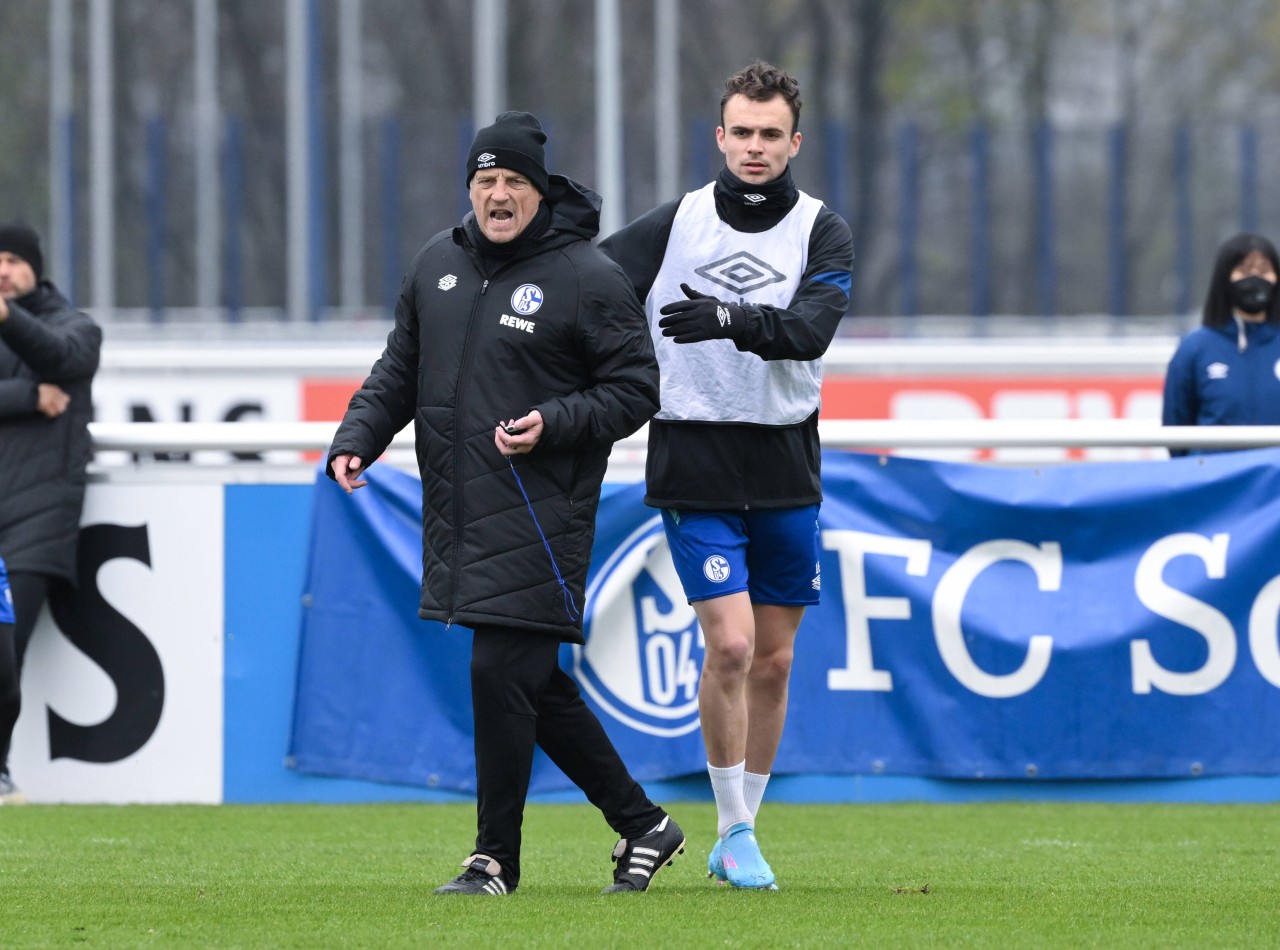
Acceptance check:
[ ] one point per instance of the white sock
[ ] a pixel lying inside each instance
(753, 784)
(731, 806)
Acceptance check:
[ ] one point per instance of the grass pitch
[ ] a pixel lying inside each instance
(901, 875)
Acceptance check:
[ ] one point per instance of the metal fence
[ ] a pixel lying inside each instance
(1113, 221)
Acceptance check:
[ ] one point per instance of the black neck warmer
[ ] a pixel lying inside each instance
(754, 208)
(501, 253)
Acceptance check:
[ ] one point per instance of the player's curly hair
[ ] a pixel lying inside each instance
(760, 82)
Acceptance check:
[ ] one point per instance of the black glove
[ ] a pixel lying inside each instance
(702, 317)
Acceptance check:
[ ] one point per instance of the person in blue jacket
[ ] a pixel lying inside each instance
(1227, 372)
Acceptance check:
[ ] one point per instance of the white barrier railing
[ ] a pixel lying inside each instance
(836, 434)
(869, 357)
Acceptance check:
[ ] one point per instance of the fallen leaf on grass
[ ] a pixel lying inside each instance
(904, 889)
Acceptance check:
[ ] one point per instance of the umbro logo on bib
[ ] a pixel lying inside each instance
(741, 273)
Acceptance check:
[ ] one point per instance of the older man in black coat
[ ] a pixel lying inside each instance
(48, 355)
(520, 353)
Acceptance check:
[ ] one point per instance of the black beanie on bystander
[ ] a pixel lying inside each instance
(22, 241)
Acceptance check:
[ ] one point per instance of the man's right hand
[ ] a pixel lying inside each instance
(346, 470)
(51, 400)
(702, 317)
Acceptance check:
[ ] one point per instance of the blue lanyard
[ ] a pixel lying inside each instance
(570, 607)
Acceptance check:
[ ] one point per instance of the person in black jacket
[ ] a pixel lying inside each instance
(48, 355)
(514, 316)
(745, 282)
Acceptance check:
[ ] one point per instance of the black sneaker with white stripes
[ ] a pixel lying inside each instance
(483, 875)
(639, 859)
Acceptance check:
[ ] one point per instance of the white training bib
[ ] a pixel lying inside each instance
(714, 381)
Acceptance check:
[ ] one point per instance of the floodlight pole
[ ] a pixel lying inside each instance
(61, 237)
(666, 97)
(102, 171)
(298, 167)
(488, 60)
(351, 165)
(208, 127)
(610, 182)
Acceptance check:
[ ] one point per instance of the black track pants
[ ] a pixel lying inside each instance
(521, 697)
(29, 594)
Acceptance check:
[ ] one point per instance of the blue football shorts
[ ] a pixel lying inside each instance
(772, 553)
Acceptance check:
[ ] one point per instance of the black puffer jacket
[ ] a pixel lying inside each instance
(44, 341)
(470, 346)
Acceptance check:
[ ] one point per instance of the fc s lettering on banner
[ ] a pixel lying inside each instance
(1046, 563)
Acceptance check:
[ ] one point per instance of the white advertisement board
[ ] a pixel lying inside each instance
(123, 683)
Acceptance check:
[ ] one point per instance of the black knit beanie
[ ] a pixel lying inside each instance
(20, 240)
(515, 141)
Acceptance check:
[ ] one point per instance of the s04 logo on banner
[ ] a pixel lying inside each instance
(644, 650)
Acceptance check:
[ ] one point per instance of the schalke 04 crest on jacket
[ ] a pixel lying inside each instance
(526, 299)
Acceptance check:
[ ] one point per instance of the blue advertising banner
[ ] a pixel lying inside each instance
(1087, 621)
